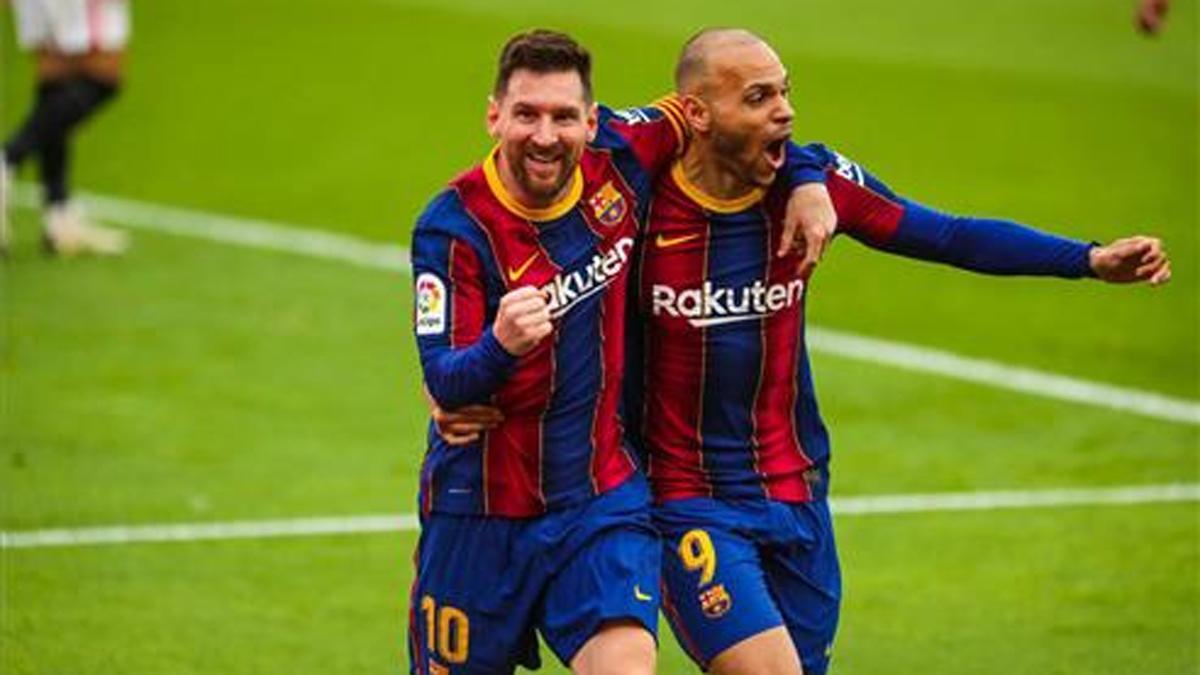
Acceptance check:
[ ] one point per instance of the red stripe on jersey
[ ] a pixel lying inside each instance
(862, 210)
(513, 450)
(675, 256)
(610, 465)
(658, 142)
(467, 310)
(780, 458)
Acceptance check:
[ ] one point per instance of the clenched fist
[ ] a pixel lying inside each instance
(522, 320)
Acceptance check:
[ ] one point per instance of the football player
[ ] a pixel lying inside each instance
(79, 47)
(520, 268)
(738, 454)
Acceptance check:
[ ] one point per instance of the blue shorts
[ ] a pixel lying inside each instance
(733, 569)
(484, 584)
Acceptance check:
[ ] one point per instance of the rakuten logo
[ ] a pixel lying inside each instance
(709, 306)
(567, 290)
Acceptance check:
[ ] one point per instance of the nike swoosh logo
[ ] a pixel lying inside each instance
(665, 242)
(637, 593)
(515, 273)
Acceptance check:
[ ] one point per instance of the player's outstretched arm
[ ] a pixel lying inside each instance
(869, 211)
(1131, 260)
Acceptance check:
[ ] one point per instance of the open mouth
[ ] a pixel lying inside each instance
(542, 163)
(774, 152)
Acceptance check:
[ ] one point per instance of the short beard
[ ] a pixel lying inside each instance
(534, 190)
(729, 149)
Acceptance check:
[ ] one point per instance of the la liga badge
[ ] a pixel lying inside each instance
(431, 305)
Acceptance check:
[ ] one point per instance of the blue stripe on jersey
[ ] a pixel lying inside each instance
(639, 180)
(464, 464)
(569, 242)
(737, 258)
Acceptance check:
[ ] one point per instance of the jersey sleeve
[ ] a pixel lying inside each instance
(871, 212)
(462, 360)
(656, 134)
(802, 164)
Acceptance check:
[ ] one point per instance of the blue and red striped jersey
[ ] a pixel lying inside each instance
(562, 439)
(727, 403)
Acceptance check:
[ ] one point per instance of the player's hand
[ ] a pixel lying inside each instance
(1151, 14)
(1131, 260)
(522, 320)
(464, 425)
(808, 225)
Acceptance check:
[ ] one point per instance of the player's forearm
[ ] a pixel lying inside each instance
(802, 165)
(458, 377)
(987, 245)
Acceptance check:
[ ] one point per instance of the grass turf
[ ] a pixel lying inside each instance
(196, 382)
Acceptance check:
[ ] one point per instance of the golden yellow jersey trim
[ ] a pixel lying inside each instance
(709, 202)
(558, 209)
(672, 109)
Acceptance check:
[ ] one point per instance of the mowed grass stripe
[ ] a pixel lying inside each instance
(367, 524)
(261, 234)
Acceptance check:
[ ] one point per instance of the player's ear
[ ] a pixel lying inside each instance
(493, 117)
(696, 112)
(593, 121)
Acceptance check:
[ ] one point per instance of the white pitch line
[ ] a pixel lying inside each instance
(250, 529)
(347, 525)
(1002, 375)
(1018, 499)
(263, 234)
(235, 230)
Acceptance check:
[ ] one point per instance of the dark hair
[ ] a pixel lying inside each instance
(543, 51)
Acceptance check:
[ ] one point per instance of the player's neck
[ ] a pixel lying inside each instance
(704, 170)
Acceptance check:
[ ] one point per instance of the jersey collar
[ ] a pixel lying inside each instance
(556, 210)
(715, 204)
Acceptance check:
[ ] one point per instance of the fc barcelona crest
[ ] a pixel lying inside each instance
(715, 601)
(608, 204)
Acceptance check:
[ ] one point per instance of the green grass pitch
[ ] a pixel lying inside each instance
(192, 381)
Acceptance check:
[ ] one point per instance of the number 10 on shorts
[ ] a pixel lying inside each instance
(447, 630)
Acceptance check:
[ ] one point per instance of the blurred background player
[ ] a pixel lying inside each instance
(1151, 14)
(738, 453)
(78, 49)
